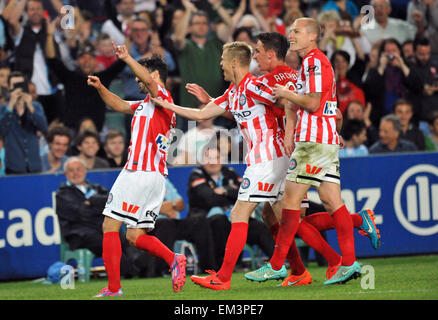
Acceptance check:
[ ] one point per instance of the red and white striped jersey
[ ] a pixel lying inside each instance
(317, 75)
(251, 103)
(150, 134)
(286, 76)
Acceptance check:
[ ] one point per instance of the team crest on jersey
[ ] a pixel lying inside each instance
(110, 198)
(162, 142)
(242, 100)
(292, 164)
(245, 183)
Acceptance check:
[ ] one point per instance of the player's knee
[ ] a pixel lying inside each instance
(110, 225)
(131, 237)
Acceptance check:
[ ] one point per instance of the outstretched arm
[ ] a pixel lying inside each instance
(110, 99)
(210, 111)
(141, 72)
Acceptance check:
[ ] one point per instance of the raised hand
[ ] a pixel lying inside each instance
(120, 51)
(198, 92)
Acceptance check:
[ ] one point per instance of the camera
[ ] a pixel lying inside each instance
(390, 57)
(23, 85)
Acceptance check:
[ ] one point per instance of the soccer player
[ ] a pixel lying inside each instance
(138, 192)
(314, 161)
(250, 101)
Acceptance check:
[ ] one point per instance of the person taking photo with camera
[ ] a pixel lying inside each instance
(20, 119)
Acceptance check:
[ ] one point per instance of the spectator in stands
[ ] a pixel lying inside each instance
(342, 6)
(425, 11)
(356, 110)
(269, 22)
(79, 205)
(120, 20)
(384, 27)
(5, 70)
(390, 81)
(88, 144)
(30, 40)
(198, 57)
(389, 135)
(212, 191)
(192, 143)
(408, 51)
(140, 38)
(20, 119)
(169, 228)
(81, 99)
(355, 135)
(338, 34)
(105, 55)
(432, 137)
(346, 90)
(427, 70)
(58, 139)
(114, 146)
(404, 111)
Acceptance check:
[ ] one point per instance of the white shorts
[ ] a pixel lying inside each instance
(312, 163)
(264, 182)
(136, 198)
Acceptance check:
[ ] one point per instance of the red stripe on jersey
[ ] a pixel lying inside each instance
(258, 131)
(138, 143)
(309, 126)
(330, 131)
(320, 129)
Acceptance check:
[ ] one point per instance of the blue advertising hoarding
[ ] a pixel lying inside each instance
(401, 189)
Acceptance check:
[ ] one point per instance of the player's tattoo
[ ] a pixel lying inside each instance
(314, 94)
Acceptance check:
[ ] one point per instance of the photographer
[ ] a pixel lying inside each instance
(20, 119)
(391, 80)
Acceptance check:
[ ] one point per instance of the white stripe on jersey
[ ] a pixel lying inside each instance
(318, 75)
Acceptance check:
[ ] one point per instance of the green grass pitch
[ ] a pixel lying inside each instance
(396, 278)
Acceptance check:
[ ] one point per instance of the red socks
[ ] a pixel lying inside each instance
(293, 256)
(290, 220)
(323, 220)
(344, 230)
(155, 247)
(111, 254)
(235, 243)
(310, 235)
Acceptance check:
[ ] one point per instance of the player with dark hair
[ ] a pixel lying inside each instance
(137, 194)
(315, 160)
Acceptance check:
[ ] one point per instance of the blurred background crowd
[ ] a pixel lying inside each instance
(384, 54)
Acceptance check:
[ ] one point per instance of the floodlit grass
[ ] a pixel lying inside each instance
(399, 278)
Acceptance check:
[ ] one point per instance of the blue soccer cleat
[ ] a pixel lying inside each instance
(369, 229)
(345, 274)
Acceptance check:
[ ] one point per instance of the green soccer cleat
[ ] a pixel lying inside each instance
(369, 229)
(345, 274)
(266, 273)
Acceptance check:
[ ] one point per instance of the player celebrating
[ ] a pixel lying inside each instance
(136, 196)
(314, 161)
(250, 101)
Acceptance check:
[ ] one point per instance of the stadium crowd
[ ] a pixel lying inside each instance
(384, 54)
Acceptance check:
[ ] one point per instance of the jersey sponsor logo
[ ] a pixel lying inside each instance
(162, 142)
(245, 183)
(312, 69)
(312, 169)
(130, 208)
(241, 115)
(261, 86)
(150, 213)
(266, 187)
(330, 108)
